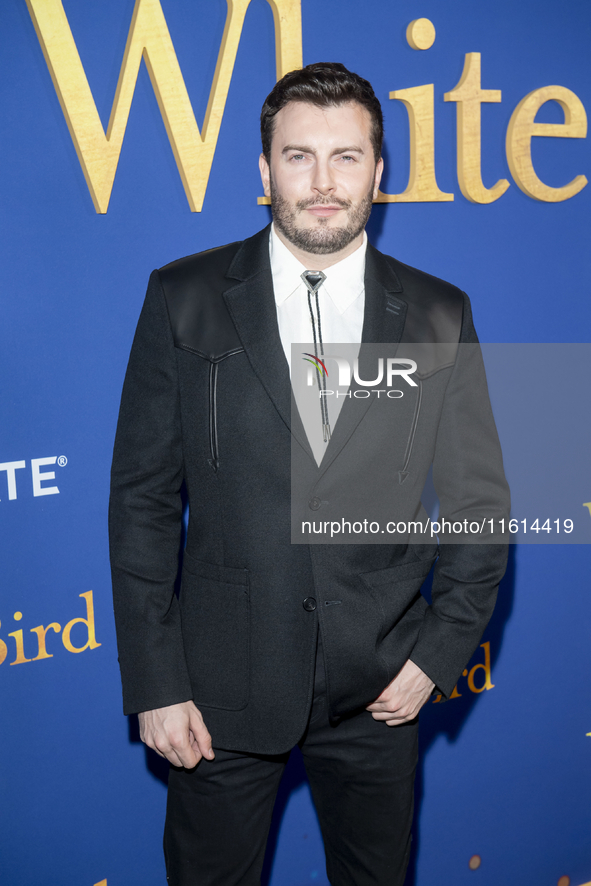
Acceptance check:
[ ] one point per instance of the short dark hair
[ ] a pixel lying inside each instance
(324, 84)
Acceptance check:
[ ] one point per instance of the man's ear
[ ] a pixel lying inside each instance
(378, 176)
(265, 175)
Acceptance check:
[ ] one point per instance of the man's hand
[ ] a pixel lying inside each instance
(177, 733)
(403, 698)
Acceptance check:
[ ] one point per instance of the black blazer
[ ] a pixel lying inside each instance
(207, 403)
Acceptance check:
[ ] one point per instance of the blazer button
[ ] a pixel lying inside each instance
(314, 504)
(309, 604)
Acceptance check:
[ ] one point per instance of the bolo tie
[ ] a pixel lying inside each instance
(313, 280)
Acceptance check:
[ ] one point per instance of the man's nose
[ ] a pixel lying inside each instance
(323, 178)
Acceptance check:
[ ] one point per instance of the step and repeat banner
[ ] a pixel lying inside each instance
(130, 138)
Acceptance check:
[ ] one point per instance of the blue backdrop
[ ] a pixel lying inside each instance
(503, 790)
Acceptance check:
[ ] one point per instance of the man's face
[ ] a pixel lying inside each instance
(322, 177)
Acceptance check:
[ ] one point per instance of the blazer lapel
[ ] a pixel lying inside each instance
(251, 304)
(383, 323)
(385, 312)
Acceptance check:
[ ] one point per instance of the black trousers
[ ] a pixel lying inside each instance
(361, 775)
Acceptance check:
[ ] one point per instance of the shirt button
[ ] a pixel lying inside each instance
(309, 604)
(314, 504)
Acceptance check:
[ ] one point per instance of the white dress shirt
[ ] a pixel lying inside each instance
(342, 303)
(341, 297)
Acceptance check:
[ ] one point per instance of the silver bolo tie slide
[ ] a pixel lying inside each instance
(313, 281)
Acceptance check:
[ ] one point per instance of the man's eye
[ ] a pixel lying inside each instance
(297, 157)
(347, 157)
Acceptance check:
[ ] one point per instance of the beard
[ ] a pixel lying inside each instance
(320, 240)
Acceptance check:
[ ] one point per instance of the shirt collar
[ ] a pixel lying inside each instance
(345, 280)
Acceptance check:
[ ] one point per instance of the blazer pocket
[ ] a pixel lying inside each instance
(215, 608)
(397, 587)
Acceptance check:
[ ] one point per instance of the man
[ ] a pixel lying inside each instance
(273, 644)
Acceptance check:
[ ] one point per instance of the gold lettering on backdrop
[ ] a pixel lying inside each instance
(149, 39)
(469, 96)
(587, 504)
(522, 127)
(18, 639)
(3, 649)
(41, 635)
(420, 34)
(422, 185)
(42, 653)
(488, 684)
(88, 621)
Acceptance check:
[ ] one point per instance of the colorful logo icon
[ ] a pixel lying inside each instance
(317, 362)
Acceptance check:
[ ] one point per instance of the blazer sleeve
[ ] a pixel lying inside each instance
(145, 517)
(470, 482)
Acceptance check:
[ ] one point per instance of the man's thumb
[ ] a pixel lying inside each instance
(201, 735)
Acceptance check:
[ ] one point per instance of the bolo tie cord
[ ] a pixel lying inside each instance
(313, 281)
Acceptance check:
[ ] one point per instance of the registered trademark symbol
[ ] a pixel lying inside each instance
(62, 461)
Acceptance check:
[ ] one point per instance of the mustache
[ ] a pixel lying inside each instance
(323, 201)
